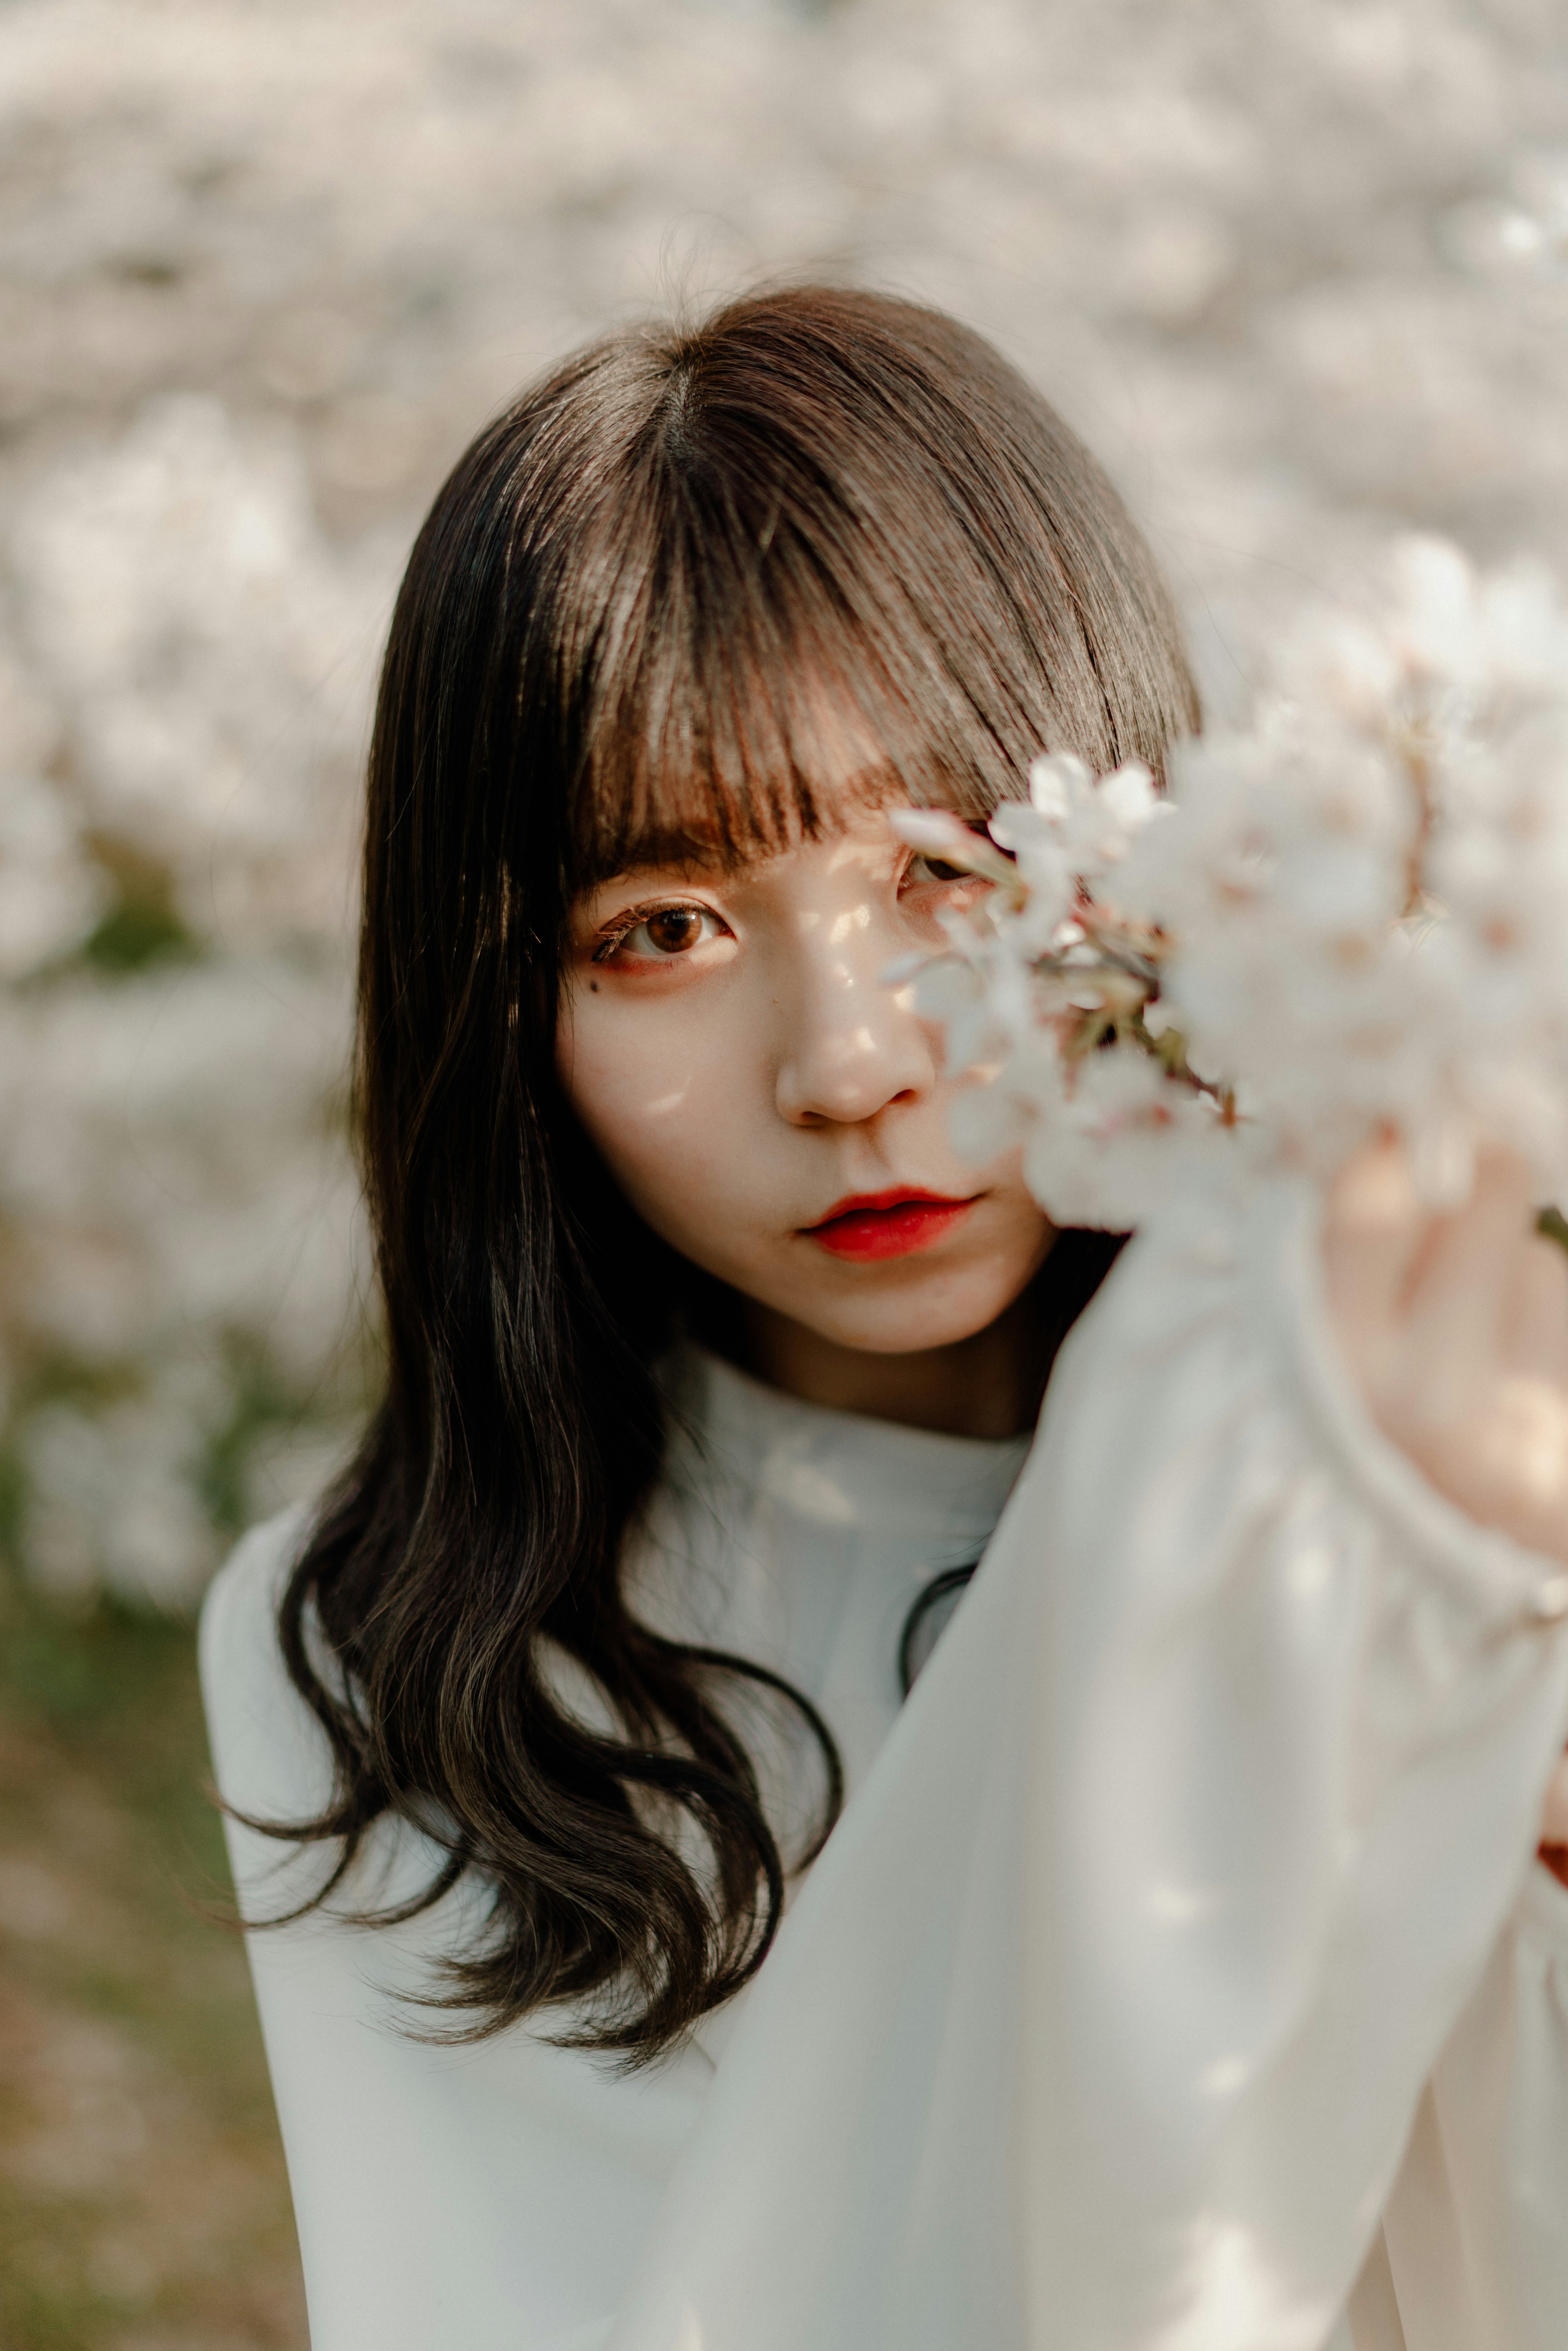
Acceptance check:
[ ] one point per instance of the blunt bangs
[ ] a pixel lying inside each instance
(829, 547)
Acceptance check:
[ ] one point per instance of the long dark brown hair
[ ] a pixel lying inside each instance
(589, 657)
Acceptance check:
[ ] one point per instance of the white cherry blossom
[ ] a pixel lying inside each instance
(1350, 918)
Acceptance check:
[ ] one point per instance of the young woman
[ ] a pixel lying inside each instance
(1171, 1969)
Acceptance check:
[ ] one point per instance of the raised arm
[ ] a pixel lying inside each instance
(1456, 1330)
(1103, 2020)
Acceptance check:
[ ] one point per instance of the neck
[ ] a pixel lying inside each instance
(990, 1384)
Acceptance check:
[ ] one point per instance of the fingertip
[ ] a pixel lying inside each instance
(1374, 1226)
(1535, 1321)
(1376, 1192)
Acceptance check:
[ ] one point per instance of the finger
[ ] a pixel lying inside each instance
(1458, 1283)
(1374, 1230)
(1554, 1811)
(1533, 1335)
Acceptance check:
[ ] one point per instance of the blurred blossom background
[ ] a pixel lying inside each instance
(1299, 275)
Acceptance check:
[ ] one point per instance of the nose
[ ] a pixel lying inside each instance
(853, 1046)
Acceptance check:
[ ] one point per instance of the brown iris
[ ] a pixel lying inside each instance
(674, 928)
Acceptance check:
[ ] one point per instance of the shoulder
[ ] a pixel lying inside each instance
(267, 1749)
(250, 1582)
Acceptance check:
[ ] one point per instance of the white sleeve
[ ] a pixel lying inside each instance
(1477, 2227)
(1101, 2023)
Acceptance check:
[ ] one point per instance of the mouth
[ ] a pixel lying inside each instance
(870, 1225)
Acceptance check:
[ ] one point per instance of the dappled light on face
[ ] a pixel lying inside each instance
(869, 845)
(856, 1046)
(853, 918)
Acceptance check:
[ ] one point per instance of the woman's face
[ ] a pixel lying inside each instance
(773, 1110)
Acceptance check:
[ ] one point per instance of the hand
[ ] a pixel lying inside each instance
(1455, 1328)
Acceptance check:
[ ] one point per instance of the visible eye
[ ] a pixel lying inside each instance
(926, 871)
(660, 934)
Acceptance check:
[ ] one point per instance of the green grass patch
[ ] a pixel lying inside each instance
(145, 2192)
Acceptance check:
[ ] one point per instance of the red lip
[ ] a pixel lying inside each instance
(870, 1225)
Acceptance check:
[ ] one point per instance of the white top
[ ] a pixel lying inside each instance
(1180, 1927)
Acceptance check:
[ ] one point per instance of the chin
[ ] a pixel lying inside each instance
(912, 1318)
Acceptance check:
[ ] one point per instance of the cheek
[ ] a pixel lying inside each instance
(679, 1120)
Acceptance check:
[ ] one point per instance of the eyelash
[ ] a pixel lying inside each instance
(615, 933)
(937, 873)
